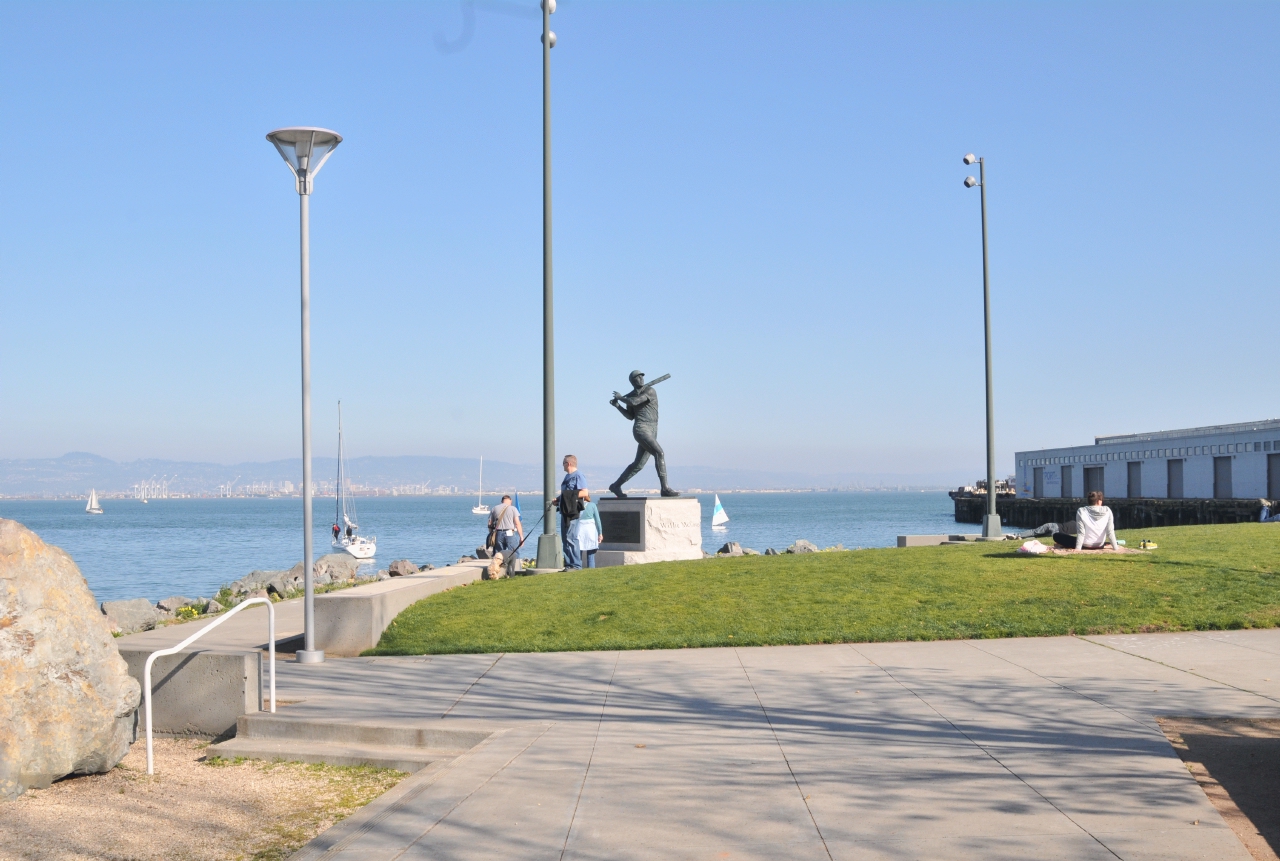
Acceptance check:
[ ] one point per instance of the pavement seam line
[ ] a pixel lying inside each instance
(464, 798)
(804, 799)
(583, 786)
(1061, 685)
(472, 685)
(1181, 670)
(1201, 635)
(984, 749)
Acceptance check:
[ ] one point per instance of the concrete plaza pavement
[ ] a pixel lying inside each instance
(990, 749)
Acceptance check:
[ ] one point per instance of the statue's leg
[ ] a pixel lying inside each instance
(660, 462)
(642, 457)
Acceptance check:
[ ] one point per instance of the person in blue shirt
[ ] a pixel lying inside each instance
(572, 490)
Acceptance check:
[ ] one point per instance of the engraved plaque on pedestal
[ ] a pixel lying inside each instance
(649, 529)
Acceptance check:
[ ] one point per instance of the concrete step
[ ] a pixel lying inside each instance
(427, 734)
(410, 759)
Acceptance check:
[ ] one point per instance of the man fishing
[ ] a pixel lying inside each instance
(641, 407)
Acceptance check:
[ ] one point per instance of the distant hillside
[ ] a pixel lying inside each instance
(76, 472)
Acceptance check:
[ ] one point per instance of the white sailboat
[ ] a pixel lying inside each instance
(718, 517)
(480, 507)
(93, 507)
(345, 524)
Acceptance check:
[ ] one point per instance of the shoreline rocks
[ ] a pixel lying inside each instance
(129, 617)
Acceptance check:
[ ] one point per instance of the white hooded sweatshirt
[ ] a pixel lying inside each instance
(1095, 525)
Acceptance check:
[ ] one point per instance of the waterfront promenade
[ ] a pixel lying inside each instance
(990, 749)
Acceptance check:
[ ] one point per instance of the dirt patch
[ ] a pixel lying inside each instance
(189, 810)
(1236, 761)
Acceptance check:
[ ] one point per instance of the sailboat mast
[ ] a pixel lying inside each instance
(480, 495)
(341, 512)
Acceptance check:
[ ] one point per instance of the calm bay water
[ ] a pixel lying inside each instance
(193, 546)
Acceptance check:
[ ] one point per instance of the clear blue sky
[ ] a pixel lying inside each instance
(762, 199)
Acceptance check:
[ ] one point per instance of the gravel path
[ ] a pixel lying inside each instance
(189, 810)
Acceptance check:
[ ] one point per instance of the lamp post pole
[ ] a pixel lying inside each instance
(305, 150)
(308, 601)
(991, 528)
(549, 554)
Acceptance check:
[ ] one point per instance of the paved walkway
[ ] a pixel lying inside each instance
(992, 749)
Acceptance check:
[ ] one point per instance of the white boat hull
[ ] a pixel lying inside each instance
(361, 548)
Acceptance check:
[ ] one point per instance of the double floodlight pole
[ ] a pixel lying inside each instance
(991, 521)
(549, 553)
(305, 150)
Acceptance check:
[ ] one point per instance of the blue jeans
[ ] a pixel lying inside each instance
(588, 559)
(507, 545)
(572, 558)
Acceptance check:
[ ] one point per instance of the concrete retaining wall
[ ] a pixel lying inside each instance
(352, 620)
(198, 693)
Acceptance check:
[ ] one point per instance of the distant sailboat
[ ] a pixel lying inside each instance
(480, 507)
(345, 525)
(718, 517)
(93, 507)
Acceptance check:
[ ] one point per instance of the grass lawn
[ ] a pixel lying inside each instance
(1201, 577)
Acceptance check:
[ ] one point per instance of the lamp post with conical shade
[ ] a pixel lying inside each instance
(305, 150)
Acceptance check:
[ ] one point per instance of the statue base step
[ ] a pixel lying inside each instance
(642, 529)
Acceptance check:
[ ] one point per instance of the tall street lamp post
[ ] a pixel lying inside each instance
(305, 150)
(991, 521)
(549, 554)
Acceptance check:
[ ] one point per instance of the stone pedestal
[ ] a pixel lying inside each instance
(646, 529)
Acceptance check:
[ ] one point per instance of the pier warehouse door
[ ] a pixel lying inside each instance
(1066, 481)
(1273, 476)
(1038, 483)
(1222, 477)
(1135, 479)
(1175, 479)
(1092, 479)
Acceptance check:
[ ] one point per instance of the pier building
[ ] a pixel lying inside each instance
(1235, 461)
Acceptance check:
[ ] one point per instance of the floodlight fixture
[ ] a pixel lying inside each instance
(991, 527)
(305, 150)
(550, 550)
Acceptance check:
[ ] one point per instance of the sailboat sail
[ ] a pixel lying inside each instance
(718, 517)
(345, 523)
(480, 507)
(93, 507)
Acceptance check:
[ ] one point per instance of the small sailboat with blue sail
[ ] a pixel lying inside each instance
(718, 517)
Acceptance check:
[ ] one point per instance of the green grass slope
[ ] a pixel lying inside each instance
(1201, 577)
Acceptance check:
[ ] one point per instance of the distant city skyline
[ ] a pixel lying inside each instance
(764, 200)
(75, 473)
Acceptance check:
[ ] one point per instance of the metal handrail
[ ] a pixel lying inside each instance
(271, 648)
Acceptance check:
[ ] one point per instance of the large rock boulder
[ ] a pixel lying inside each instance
(731, 548)
(336, 566)
(68, 700)
(131, 616)
(402, 568)
(803, 546)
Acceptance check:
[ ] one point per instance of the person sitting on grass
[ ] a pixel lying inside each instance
(1095, 527)
(1270, 512)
